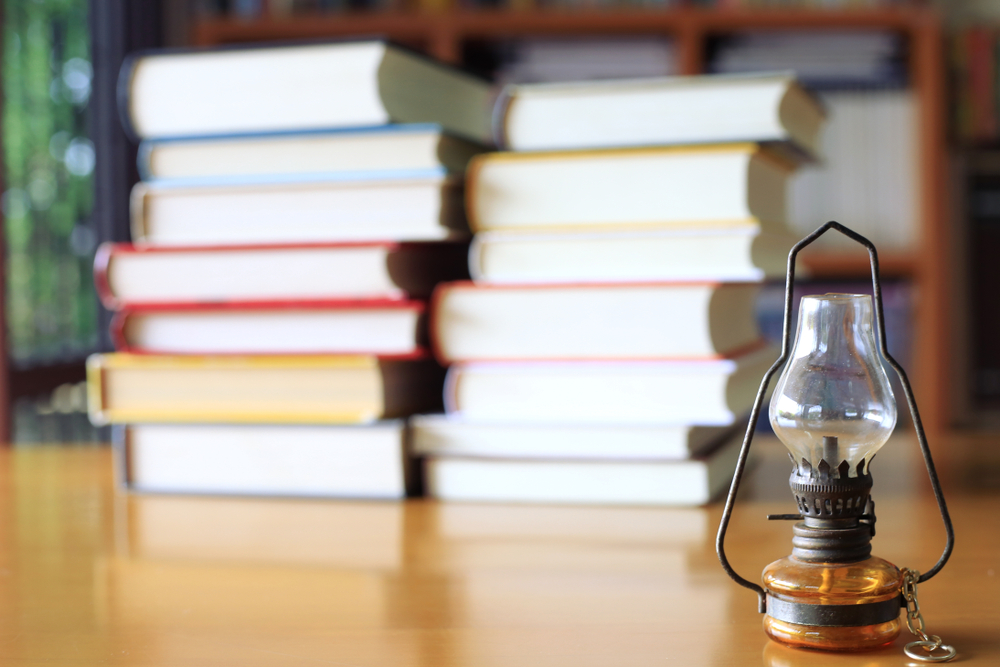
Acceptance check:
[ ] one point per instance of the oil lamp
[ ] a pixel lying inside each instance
(833, 408)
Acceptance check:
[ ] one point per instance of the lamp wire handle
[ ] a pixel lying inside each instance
(766, 381)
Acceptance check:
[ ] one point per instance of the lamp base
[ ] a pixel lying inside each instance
(832, 638)
(832, 606)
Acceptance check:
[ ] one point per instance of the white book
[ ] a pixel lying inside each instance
(638, 255)
(396, 148)
(349, 271)
(716, 186)
(713, 392)
(265, 460)
(324, 210)
(659, 111)
(593, 322)
(439, 435)
(347, 84)
(387, 328)
(688, 482)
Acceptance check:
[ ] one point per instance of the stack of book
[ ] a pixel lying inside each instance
(271, 312)
(608, 345)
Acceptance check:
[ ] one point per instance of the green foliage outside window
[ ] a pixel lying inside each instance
(48, 188)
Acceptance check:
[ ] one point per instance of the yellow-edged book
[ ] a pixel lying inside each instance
(322, 389)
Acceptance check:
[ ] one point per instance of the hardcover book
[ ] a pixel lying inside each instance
(128, 275)
(374, 327)
(709, 186)
(266, 459)
(629, 255)
(656, 393)
(126, 388)
(592, 322)
(343, 84)
(320, 211)
(439, 435)
(694, 481)
(388, 149)
(651, 111)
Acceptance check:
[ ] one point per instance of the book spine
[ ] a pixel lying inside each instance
(143, 160)
(476, 258)
(102, 259)
(96, 403)
(137, 212)
(501, 109)
(433, 307)
(123, 95)
(472, 175)
(451, 382)
(117, 331)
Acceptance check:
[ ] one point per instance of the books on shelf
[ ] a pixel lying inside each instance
(368, 461)
(635, 255)
(728, 184)
(869, 180)
(575, 322)
(828, 59)
(329, 389)
(131, 275)
(693, 392)
(379, 150)
(546, 59)
(974, 66)
(301, 87)
(428, 208)
(691, 481)
(658, 112)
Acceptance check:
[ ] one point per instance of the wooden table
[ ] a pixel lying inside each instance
(88, 576)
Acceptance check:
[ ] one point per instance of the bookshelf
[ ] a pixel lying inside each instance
(444, 33)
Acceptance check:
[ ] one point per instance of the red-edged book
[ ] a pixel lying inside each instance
(127, 275)
(472, 322)
(386, 328)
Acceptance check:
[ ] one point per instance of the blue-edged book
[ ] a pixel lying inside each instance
(416, 205)
(383, 151)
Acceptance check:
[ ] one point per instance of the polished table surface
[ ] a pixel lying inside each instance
(90, 576)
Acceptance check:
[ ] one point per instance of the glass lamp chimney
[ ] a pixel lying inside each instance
(833, 401)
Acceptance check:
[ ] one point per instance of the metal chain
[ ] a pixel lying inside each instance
(915, 623)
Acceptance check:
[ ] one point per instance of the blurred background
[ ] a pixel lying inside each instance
(912, 157)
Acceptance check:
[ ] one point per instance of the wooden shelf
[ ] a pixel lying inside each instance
(855, 265)
(466, 24)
